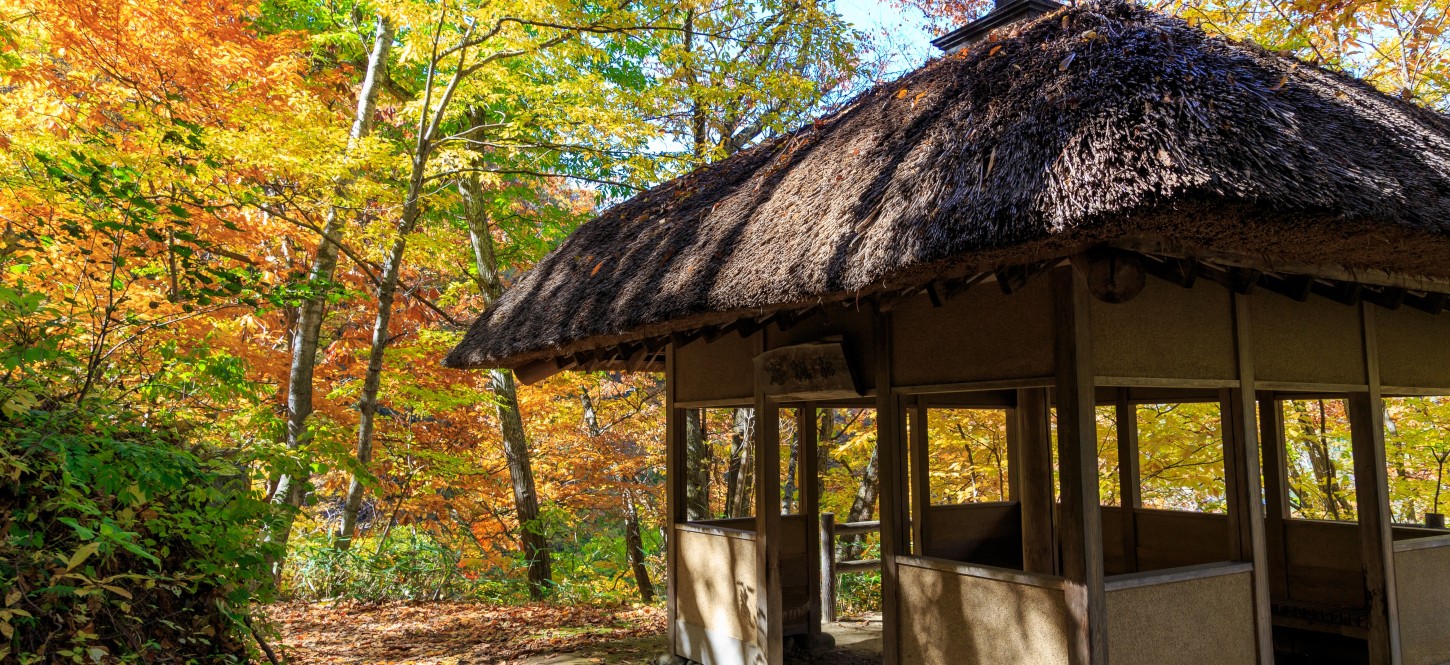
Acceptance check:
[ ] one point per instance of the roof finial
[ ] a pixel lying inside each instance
(1004, 12)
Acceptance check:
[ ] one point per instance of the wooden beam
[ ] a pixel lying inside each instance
(952, 288)
(1294, 287)
(1081, 527)
(934, 294)
(1129, 489)
(1034, 450)
(769, 619)
(1182, 272)
(1388, 297)
(1276, 491)
(1430, 303)
(920, 478)
(807, 441)
(1012, 279)
(893, 498)
(1241, 470)
(1346, 293)
(1371, 484)
(675, 505)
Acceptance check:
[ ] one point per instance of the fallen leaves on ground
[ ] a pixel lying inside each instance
(457, 633)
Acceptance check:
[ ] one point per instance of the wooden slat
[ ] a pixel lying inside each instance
(844, 529)
(1241, 467)
(862, 566)
(1034, 452)
(675, 505)
(894, 518)
(920, 477)
(770, 626)
(827, 573)
(1081, 527)
(809, 470)
(1367, 436)
(1276, 491)
(1129, 489)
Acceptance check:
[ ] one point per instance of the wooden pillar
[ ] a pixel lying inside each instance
(675, 508)
(1276, 492)
(893, 498)
(769, 627)
(1081, 527)
(920, 478)
(1367, 435)
(810, 504)
(1241, 473)
(1034, 454)
(1130, 491)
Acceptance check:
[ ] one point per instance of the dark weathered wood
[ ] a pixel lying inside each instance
(1430, 303)
(1241, 469)
(1276, 491)
(1112, 276)
(1129, 489)
(1367, 435)
(987, 572)
(828, 567)
(893, 499)
(675, 505)
(807, 371)
(861, 566)
(1388, 297)
(1034, 454)
(920, 476)
(1081, 527)
(769, 618)
(844, 529)
(807, 441)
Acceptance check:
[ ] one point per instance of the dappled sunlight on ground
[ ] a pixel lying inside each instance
(464, 633)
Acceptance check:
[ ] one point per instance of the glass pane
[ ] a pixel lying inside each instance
(967, 455)
(1417, 448)
(1180, 457)
(1319, 461)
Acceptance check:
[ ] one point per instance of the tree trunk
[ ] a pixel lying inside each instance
(789, 487)
(740, 472)
(633, 539)
(634, 548)
(291, 489)
(532, 539)
(863, 507)
(697, 465)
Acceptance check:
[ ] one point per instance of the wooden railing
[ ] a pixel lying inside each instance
(831, 568)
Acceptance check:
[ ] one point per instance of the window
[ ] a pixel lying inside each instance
(1180, 457)
(1417, 450)
(967, 455)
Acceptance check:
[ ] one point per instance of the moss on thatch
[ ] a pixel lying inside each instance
(1097, 122)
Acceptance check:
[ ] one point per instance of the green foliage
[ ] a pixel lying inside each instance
(120, 546)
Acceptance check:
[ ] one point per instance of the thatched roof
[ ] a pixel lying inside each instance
(1094, 123)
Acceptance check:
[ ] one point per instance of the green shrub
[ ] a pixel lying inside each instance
(119, 545)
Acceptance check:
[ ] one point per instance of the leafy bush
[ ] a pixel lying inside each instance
(119, 545)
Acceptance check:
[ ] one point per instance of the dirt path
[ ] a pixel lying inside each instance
(474, 634)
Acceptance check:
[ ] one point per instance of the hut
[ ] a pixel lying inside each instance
(1099, 206)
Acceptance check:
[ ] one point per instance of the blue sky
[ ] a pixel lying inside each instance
(901, 32)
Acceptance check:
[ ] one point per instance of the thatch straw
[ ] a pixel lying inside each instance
(1096, 122)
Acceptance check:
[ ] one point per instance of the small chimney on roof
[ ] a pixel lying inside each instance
(1006, 12)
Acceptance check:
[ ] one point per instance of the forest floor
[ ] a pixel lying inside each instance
(477, 634)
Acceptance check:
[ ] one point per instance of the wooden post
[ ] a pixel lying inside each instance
(675, 479)
(1367, 435)
(1034, 450)
(1130, 492)
(810, 508)
(828, 567)
(769, 624)
(1276, 492)
(1241, 473)
(894, 515)
(920, 478)
(1081, 527)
